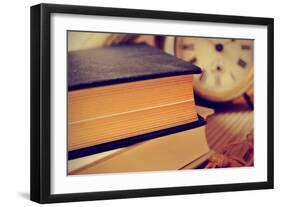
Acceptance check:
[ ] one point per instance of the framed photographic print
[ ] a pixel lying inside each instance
(132, 103)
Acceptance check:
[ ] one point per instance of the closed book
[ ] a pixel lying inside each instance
(169, 152)
(124, 92)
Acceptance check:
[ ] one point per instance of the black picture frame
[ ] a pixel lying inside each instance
(41, 102)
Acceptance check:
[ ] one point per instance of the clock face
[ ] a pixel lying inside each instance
(227, 65)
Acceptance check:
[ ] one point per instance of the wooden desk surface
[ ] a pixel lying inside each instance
(228, 126)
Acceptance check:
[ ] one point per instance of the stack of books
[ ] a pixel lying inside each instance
(131, 108)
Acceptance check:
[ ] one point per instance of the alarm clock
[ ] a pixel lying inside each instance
(227, 65)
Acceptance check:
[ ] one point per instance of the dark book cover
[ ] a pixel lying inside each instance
(121, 64)
(133, 140)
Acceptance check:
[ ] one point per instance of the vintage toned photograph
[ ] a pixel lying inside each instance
(144, 103)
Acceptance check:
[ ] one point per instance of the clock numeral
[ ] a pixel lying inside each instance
(188, 47)
(232, 76)
(246, 47)
(193, 60)
(242, 63)
(203, 76)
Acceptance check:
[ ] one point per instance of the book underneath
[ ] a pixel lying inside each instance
(170, 152)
